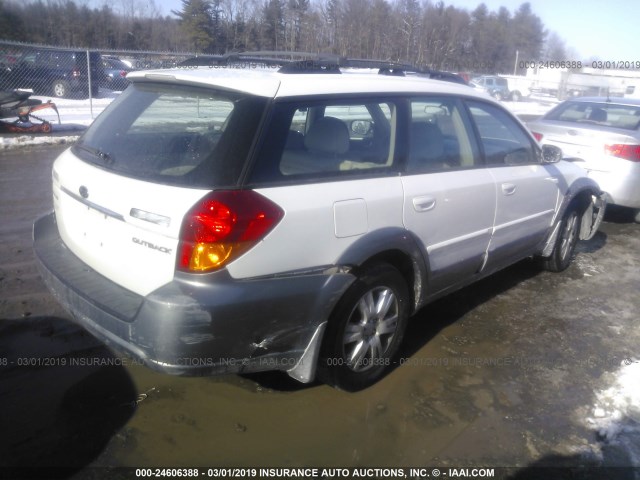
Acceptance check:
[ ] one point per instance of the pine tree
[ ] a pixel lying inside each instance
(197, 24)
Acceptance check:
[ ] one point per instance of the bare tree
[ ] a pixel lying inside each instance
(426, 34)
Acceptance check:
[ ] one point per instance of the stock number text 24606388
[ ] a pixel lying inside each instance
(551, 64)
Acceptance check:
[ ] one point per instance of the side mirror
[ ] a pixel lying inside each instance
(551, 154)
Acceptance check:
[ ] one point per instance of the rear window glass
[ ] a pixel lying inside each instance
(605, 114)
(175, 135)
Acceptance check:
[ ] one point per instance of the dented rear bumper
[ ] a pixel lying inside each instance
(210, 324)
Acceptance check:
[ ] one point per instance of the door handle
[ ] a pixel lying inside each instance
(424, 204)
(508, 188)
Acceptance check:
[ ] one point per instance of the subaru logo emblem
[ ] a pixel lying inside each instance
(84, 191)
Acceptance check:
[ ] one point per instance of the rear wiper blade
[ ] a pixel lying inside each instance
(104, 156)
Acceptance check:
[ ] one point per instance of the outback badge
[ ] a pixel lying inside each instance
(151, 245)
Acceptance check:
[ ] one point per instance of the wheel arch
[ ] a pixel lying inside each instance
(396, 247)
(586, 195)
(393, 246)
(402, 262)
(591, 201)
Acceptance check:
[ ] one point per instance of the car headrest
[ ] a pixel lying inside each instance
(328, 135)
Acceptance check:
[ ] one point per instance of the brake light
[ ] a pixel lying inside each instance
(538, 136)
(123, 73)
(222, 226)
(626, 152)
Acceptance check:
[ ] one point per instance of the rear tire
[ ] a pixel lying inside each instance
(365, 330)
(60, 88)
(565, 244)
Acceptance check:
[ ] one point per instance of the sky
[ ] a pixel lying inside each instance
(590, 28)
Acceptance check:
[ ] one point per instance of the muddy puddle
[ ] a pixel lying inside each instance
(501, 374)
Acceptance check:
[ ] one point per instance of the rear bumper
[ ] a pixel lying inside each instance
(212, 326)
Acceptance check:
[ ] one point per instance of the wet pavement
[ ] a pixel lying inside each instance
(505, 373)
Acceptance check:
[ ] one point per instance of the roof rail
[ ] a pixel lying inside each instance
(306, 62)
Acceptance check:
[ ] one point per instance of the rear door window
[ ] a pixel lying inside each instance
(175, 135)
(325, 139)
(440, 136)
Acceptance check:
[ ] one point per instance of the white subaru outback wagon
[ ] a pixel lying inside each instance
(238, 220)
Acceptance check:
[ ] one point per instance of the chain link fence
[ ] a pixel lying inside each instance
(74, 72)
(80, 73)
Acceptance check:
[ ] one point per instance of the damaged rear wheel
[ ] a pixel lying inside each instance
(366, 329)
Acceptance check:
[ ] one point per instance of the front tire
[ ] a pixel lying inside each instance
(565, 244)
(365, 330)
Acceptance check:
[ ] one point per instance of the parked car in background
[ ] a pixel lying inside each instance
(56, 72)
(7, 60)
(495, 86)
(602, 135)
(115, 71)
(519, 86)
(294, 219)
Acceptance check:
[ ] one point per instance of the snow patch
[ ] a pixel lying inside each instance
(7, 143)
(615, 416)
(75, 117)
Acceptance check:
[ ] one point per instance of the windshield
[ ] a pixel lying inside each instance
(175, 135)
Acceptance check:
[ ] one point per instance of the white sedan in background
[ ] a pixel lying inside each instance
(602, 135)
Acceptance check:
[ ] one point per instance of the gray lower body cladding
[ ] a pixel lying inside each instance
(214, 326)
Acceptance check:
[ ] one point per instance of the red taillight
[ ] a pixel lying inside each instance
(222, 226)
(75, 72)
(538, 136)
(626, 152)
(123, 73)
